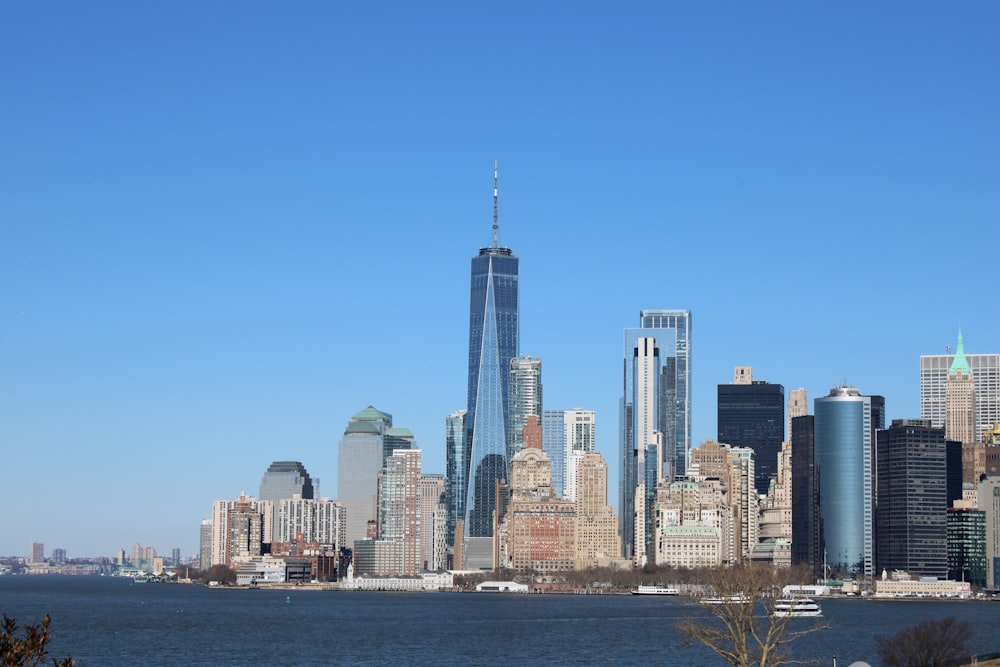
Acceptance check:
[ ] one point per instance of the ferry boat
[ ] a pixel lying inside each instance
(655, 590)
(797, 607)
(726, 599)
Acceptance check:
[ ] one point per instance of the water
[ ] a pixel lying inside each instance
(106, 621)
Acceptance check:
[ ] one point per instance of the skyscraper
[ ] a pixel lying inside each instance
(960, 400)
(751, 413)
(554, 444)
(431, 504)
(911, 500)
(359, 461)
(985, 371)
(596, 525)
(655, 417)
(525, 386)
(399, 507)
(798, 406)
(493, 342)
(286, 479)
(806, 549)
(845, 426)
(456, 470)
(579, 427)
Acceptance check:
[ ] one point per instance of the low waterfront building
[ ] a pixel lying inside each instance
(425, 581)
(893, 587)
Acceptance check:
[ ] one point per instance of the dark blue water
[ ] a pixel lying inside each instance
(109, 621)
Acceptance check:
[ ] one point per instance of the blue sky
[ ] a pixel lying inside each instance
(227, 227)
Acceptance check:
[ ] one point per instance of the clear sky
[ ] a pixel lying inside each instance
(227, 227)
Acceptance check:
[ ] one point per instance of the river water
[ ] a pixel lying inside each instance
(107, 621)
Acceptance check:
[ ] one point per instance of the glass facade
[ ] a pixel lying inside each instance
(554, 444)
(805, 501)
(360, 459)
(753, 415)
(845, 425)
(493, 342)
(911, 499)
(457, 467)
(665, 410)
(525, 399)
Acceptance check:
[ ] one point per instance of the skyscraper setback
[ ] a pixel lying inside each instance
(655, 434)
(985, 372)
(493, 342)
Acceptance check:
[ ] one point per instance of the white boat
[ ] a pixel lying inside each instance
(797, 607)
(655, 590)
(726, 599)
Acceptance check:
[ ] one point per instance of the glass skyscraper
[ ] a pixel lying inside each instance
(655, 416)
(360, 459)
(845, 427)
(751, 413)
(457, 467)
(525, 384)
(493, 342)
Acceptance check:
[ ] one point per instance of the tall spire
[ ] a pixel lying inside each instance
(960, 363)
(495, 225)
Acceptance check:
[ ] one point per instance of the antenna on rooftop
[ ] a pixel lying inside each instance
(495, 225)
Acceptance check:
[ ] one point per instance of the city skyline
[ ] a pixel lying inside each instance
(214, 255)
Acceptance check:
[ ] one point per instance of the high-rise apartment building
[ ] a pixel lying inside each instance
(911, 500)
(244, 532)
(359, 462)
(37, 553)
(205, 545)
(222, 549)
(845, 426)
(985, 372)
(655, 434)
(456, 470)
(525, 386)
(751, 413)
(399, 507)
(493, 342)
(323, 521)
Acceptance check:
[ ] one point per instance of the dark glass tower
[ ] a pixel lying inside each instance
(911, 499)
(805, 496)
(753, 415)
(493, 342)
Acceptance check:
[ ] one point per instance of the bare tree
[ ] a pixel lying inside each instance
(929, 643)
(29, 648)
(743, 628)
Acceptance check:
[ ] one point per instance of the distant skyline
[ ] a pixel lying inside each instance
(223, 233)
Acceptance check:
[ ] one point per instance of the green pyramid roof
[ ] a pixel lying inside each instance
(365, 428)
(399, 432)
(960, 363)
(371, 414)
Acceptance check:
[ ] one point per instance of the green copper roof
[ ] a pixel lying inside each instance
(400, 432)
(361, 427)
(960, 363)
(370, 414)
